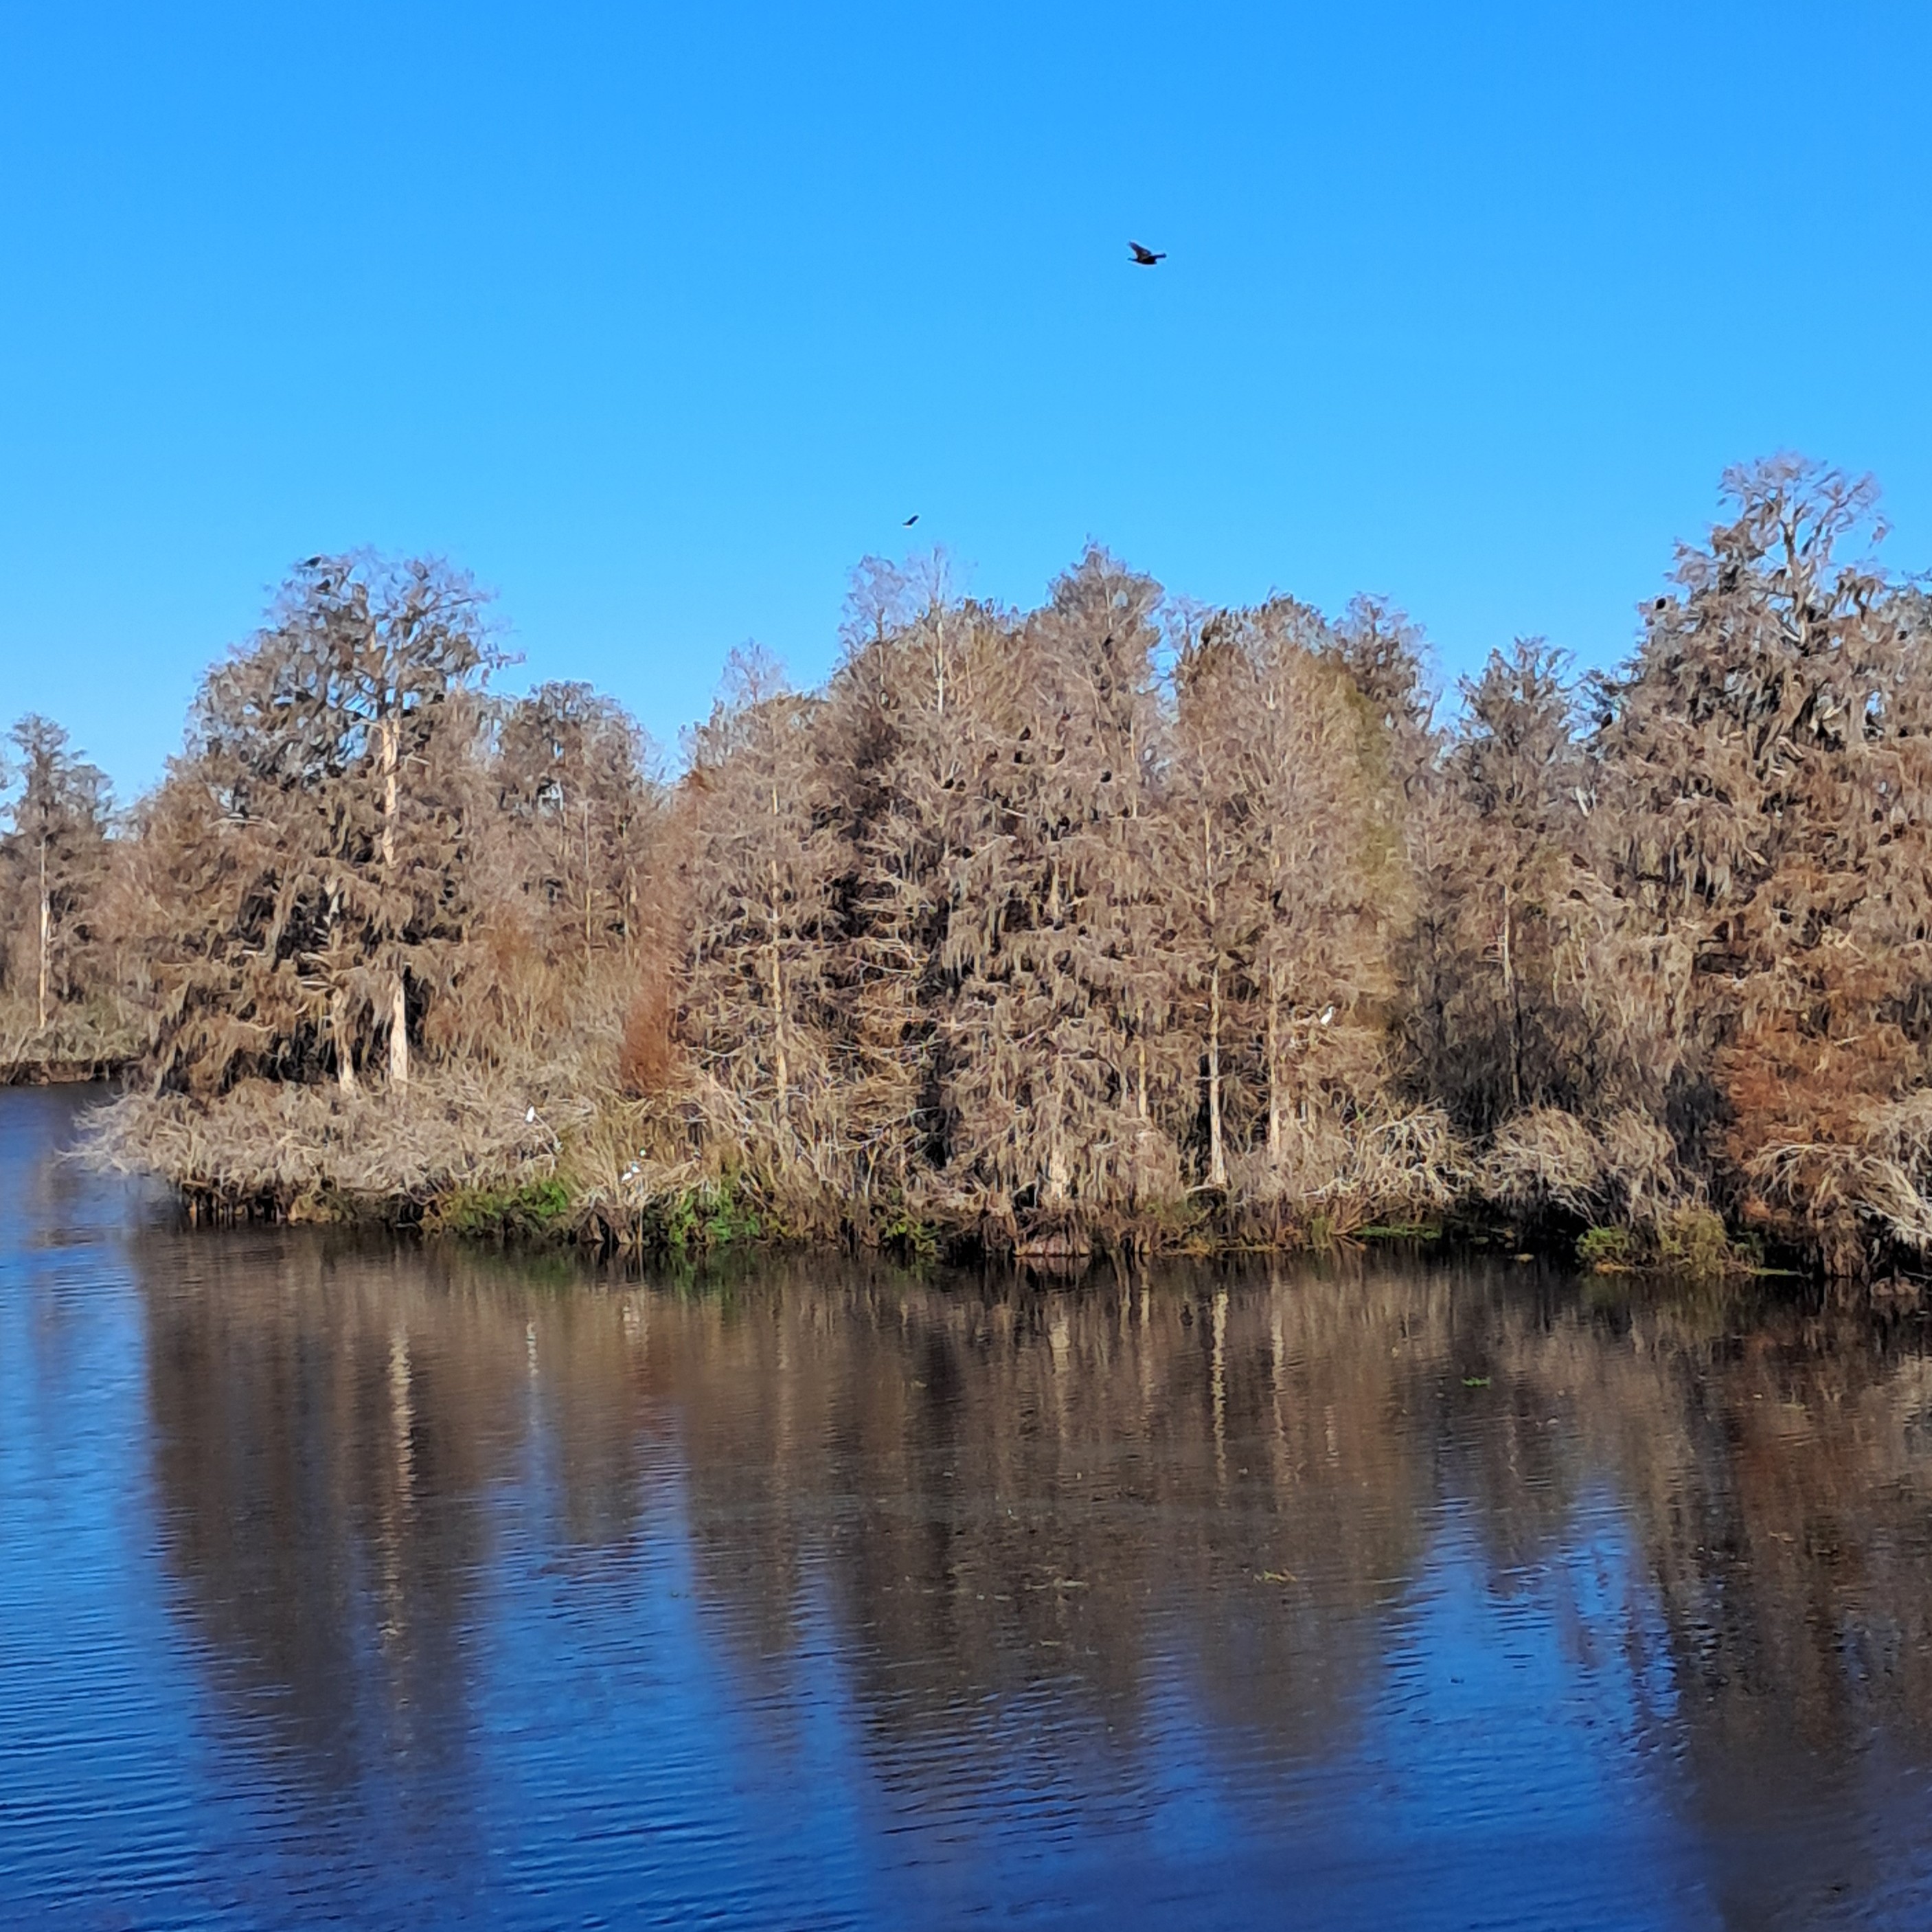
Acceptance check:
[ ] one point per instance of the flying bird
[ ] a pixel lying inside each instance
(1145, 258)
(910, 521)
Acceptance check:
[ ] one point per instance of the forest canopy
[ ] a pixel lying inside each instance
(1118, 922)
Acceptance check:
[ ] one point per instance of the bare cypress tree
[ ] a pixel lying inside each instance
(1765, 775)
(1040, 1041)
(762, 864)
(52, 862)
(1209, 815)
(1277, 814)
(305, 874)
(1516, 783)
(572, 772)
(905, 727)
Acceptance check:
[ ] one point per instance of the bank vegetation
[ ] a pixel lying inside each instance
(1120, 924)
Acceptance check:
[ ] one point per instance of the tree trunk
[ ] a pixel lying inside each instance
(399, 1035)
(782, 1067)
(1217, 1163)
(46, 933)
(586, 879)
(345, 1060)
(1515, 1006)
(1274, 1067)
(1056, 1176)
(399, 1005)
(386, 739)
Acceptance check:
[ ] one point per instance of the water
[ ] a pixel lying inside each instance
(375, 1588)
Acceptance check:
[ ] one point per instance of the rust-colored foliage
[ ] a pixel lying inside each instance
(647, 1061)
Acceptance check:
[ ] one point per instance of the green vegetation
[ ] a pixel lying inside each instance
(1605, 1250)
(704, 1217)
(904, 1236)
(1692, 1242)
(535, 1211)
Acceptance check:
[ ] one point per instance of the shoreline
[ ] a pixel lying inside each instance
(463, 1160)
(523, 1224)
(508, 1200)
(62, 1071)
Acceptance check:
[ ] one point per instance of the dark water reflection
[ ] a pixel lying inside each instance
(392, 1589)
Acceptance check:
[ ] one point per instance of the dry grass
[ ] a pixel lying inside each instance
(1622, 1170)
(1874, 1186)
(76, 1038)
(1349, 1174)
(309, 1152)
(638, 1174)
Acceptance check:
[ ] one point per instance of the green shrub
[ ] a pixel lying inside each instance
(1605, 1250)
(1692, 1242)
(709, 1214)
(537, 1211)
(904, 1234)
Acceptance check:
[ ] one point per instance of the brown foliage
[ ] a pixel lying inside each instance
(1768, 772)
(1116, 921)
(647, 1062)
(59, 993)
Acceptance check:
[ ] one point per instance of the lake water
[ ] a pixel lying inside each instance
(375, 1587)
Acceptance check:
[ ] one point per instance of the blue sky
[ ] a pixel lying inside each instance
(658, 319)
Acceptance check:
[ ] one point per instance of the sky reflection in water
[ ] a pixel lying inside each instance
(424, 1589)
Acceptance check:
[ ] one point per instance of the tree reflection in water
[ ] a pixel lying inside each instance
(1049, 1557)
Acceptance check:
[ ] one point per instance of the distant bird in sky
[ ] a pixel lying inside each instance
(1145, 258)
(910, 521)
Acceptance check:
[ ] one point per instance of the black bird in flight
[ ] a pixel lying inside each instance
(1145, 258)
(910, 521)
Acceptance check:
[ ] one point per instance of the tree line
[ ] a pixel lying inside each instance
(1118, 921)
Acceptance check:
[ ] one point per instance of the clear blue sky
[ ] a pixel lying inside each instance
(659, 318)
